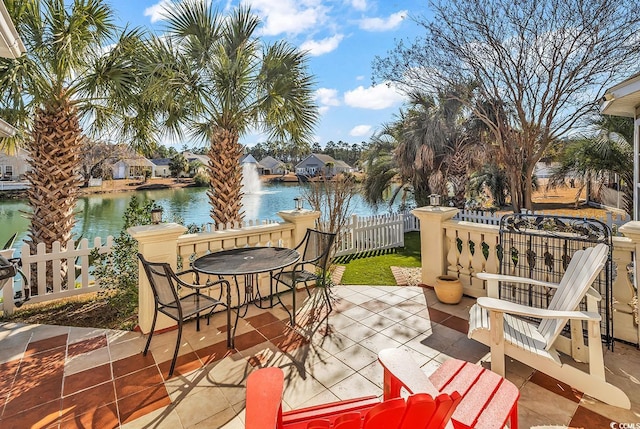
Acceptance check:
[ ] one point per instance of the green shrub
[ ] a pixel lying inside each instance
(117, 271)
(201, 180)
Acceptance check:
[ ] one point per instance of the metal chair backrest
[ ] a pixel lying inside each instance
(584, 267)
(317, 248)
(160, 275)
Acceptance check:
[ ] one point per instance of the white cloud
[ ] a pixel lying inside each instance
(327, 97)
(289, 16)
(383, 24)
(360, 130)
(374, 97)
(359, 4)
(324, 46)
(158, 11)
(360, 77)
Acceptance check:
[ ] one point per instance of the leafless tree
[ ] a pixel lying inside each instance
(332, 198)
(97, 156)
(537, 68)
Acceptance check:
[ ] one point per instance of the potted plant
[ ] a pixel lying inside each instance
(448, 289)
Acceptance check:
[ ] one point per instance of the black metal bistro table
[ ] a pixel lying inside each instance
(247, 263)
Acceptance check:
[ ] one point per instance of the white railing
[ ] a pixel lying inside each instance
(211, 227)
(70, 271)
(365, 234)
(613, 220)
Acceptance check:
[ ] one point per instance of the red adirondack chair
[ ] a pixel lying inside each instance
(466, 396)
(418, 411)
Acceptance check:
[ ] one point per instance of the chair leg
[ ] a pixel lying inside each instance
(198, 314)
(153, 326)
(327, 296)
(175, 353)
(229, 341)
(293, 310)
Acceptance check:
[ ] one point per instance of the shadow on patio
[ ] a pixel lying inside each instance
(54, 376)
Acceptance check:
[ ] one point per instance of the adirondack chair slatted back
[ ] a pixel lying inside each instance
(541, 247)
(417, 411)
(584, 267)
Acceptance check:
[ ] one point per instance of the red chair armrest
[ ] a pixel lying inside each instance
(264, 399)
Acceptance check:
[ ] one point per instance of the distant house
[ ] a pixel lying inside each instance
(270, 165)
(13, 167)
(192, 157)
(132, 167)
(317, 163)
(247, 158)
(161, 167)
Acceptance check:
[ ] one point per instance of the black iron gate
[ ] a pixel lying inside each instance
(540, 247)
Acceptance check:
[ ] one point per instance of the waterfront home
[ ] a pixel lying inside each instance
(13, 167)
(317, 163)
(271, 165)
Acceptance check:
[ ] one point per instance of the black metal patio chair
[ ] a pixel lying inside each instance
(165, 283)
(316, 253)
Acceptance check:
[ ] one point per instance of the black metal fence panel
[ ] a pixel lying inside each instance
(540, 247)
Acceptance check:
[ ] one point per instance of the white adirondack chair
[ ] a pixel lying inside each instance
(494, 322)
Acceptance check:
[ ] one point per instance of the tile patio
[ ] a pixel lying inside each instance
(65, 377)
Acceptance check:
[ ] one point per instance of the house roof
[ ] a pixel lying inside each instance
(10, 47)
(10, 44)
(195, 157)
(270, 162)
(136, 162)
(622, 99)
(161, 161)
(248, 159)
(326, 159)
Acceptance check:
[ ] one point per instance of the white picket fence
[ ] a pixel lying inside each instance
(366, 234)
(613, 220)
(411, 223)
(77, 281)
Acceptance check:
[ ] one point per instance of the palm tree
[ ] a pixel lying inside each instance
(591, 158)
(66, 85)
(220, 82)
(435, 146)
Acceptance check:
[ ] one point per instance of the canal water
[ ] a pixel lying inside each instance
(100, 215)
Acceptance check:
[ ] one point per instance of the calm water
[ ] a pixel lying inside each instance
(102, 214)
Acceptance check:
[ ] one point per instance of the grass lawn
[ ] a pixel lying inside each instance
(373, 268)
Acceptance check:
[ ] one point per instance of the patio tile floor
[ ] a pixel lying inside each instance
(64, 377)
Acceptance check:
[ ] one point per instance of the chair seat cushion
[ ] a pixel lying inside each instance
(517, 332)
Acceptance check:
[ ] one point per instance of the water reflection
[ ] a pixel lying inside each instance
(102, 214)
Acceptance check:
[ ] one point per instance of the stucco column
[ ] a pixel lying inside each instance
(433, 252)
(7, 286)
(157, 243)
(631, 230)
(301, 219)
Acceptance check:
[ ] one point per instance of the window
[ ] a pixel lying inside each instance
(8, 171)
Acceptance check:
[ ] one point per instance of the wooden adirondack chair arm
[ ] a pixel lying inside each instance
(594, 294)
(402, 371)
(264, 398)
(494, 304)
(514, 279)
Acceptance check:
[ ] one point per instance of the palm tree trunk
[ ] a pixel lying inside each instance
(225, 173)
(54, 179)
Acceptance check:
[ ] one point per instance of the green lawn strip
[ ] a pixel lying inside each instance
(373, 268)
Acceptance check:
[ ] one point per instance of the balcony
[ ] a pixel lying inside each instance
(55, 376)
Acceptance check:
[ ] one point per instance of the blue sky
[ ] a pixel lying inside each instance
(342, 37)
